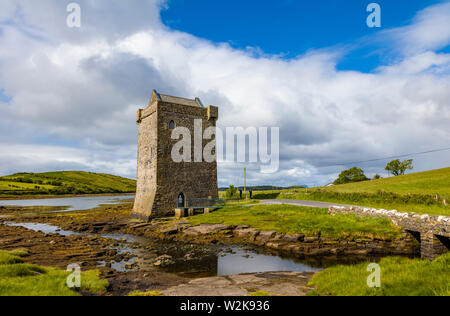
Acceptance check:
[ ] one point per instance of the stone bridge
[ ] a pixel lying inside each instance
(433, 232)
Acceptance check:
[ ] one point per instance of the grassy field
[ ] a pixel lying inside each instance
(399, 277)
(64, 182)
(429, 182)
(311, 222)
(423, 192)
(22, 279)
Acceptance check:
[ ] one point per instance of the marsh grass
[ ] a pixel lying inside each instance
(399, 277)
(311, 222)
(22, 279)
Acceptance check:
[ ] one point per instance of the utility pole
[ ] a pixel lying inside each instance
(245, 182)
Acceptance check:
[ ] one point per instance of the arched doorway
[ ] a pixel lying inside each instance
(181, 200)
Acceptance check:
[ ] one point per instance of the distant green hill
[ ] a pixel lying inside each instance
(64, 182)
(428, 182)
(423, 192)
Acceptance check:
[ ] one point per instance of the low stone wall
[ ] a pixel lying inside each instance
(432, 231)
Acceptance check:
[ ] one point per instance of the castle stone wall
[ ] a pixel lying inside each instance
(160, 179)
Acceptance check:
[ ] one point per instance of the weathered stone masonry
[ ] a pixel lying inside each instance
(433, 232)
(160, 180)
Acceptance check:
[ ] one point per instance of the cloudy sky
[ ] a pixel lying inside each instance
(339, 91)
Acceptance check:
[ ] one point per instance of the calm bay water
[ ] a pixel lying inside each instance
(71, 203)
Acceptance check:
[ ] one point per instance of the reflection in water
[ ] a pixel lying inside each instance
(240, 260)
(231, 260)
(72, 204)
(51, 229)
(45, 228)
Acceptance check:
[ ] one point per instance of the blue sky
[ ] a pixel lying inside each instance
(3, 97)
(338, 90)
(291, 28)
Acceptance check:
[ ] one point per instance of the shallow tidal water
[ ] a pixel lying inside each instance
(121, 248)
(213, 261)
(70, 204)
(242, 260)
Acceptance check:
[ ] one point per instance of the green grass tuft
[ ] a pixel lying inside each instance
(399, 277)
(20, 252)
(10, 257)
(21, 279)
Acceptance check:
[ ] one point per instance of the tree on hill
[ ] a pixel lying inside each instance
(354, 174)
(398, 168)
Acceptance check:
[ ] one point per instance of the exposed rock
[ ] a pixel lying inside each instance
(129, 266)
(171, 230)
(99, 224)
(206, 229)
(246, 233)
(163, 260)
(293, 237)
(273, 245)
(182, 226)
(311, 239)
(273, 283)
(265, 236)
(140, 225)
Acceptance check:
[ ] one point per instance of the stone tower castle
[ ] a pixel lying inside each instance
(162, 184)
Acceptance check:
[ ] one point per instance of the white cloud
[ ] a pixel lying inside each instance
(429, 30)
(82, 90)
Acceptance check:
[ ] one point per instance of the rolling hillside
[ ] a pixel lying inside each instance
(428, 182)
(64, 182)
(422, 192)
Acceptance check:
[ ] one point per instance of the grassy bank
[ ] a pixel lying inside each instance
(64, 183)
(399, 277)
(22, 279)
(311, 222)
(424, 192)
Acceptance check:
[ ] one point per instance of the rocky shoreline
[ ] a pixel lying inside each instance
(59, 251)
(296, 245)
